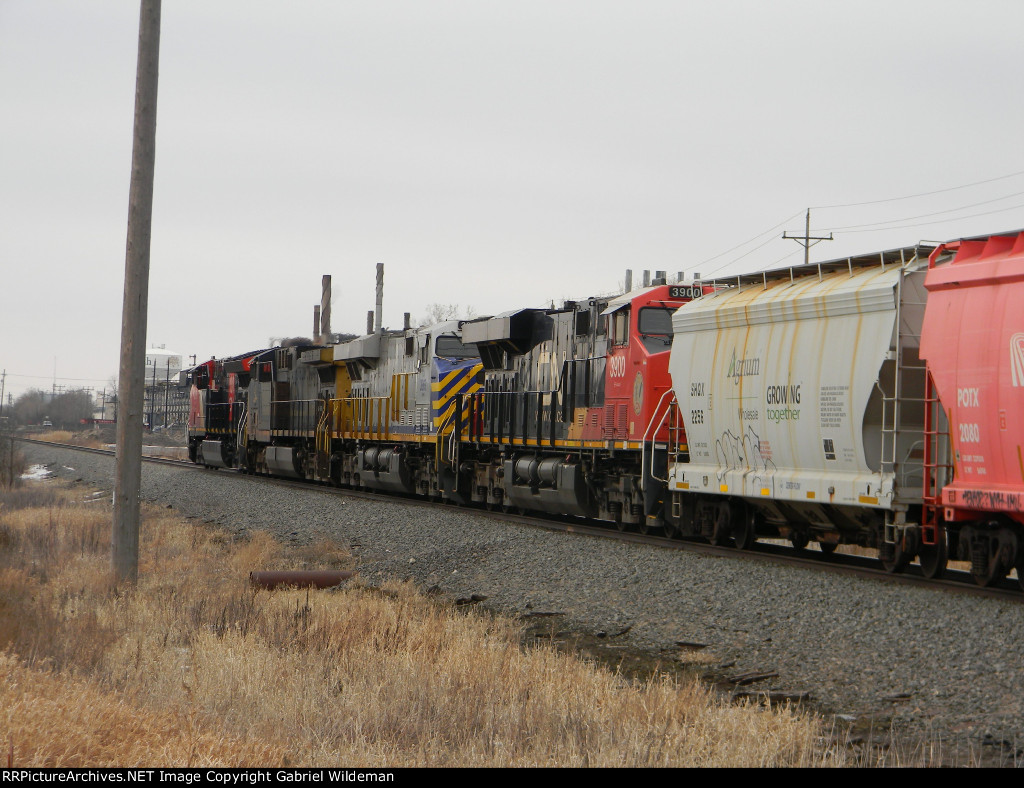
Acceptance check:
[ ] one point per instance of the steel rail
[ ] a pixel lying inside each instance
(955, 581)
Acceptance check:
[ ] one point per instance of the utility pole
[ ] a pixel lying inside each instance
(806, 239)
(167, 387)
(124, 557)
(152, 398)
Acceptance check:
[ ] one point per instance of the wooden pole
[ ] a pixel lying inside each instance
(132, 381)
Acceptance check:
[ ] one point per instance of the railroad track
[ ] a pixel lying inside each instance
(954, 581)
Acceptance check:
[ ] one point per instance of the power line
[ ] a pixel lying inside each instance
(745, 254)
(922, 194)
(50, 377)
(942, 221)
(926, 215)
(771, 229)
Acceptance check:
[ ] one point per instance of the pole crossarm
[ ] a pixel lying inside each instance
(807, 240)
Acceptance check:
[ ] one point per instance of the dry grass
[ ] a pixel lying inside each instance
(194, 667)
(52, 720)
(12, 464)
(87, 439)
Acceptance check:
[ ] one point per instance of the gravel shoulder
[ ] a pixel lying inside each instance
(929, 663)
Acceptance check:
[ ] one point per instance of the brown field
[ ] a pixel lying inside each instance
(89, 439)
(195, 668)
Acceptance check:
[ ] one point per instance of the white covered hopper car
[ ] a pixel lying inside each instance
(802, 395)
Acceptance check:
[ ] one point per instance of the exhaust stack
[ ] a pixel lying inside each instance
(325, 308)
(380, 297)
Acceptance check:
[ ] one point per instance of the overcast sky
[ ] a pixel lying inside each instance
(493, 155)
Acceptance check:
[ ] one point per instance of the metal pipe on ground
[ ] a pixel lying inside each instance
(299, 578)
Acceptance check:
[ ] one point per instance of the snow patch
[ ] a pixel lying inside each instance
(36, 473)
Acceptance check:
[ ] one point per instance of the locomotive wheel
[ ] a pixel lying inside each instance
(722, 530)
(648, 527)
(933, 557)
(745, 533)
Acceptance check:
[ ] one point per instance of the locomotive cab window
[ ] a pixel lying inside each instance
(654, 325)
(450, 347)
(620, 327)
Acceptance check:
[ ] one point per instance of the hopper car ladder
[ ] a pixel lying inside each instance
(938, 470)
(907, 378)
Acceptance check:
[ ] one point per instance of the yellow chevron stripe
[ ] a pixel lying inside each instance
(443, 401)
(441, 416)
(446, 379)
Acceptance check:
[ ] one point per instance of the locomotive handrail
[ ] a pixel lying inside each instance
(323, 428)
(643, 442)
(241, 432)
(513, 410)
(364, 417)
(292, 421)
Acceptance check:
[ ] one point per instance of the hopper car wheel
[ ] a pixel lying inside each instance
(933, 557)
(745, 533)
(722, 528)
(798, 539)
(898, 563)
(990, 575)
(827, 548)
(647, 528)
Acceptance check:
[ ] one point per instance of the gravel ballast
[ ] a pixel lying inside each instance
(929, 662)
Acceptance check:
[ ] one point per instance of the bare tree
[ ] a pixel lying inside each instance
(438, 313)
(68, 410)
(30, 408)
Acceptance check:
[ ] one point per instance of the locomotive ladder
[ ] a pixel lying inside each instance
(242, 431)
(323, 437)
(936, 474)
